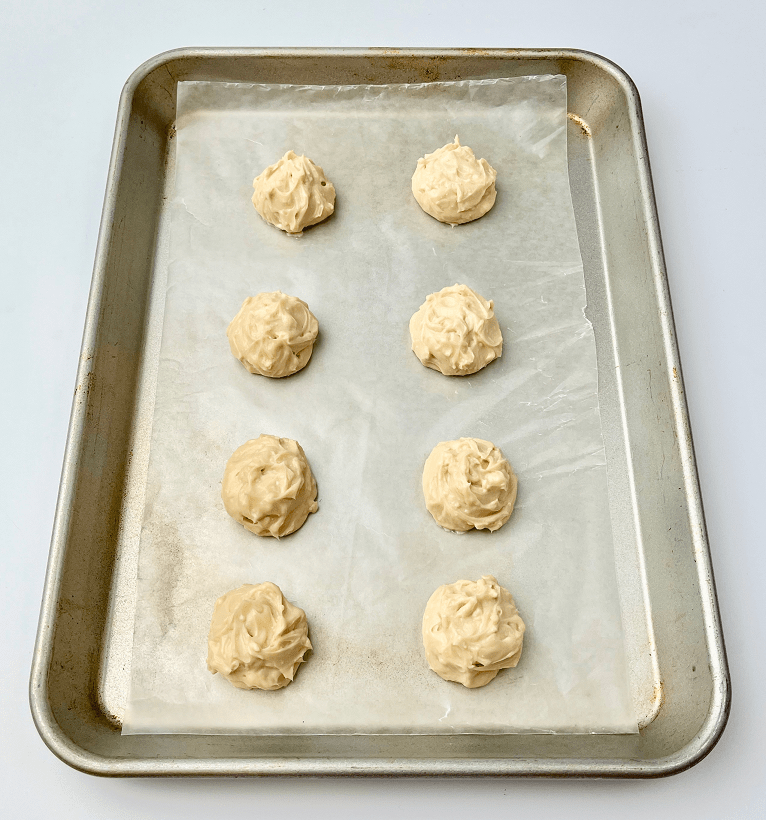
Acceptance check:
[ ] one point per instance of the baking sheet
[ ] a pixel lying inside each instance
(367, 414)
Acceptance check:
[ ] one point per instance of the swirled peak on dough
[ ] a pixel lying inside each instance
(273, 334)
(257, 638)
(455, 331)
(453, 186)
(468, 484)
(472, 630)
(293, 193)
(268, 486)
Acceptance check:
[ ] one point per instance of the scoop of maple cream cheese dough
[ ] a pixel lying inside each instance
(273, 334)
(453, 186)
(472, 630)
(257, 638)
(268, 486)
(455, 331)
(468, 484)
(293, 193)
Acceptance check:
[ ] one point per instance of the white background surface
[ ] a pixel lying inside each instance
(698, 68)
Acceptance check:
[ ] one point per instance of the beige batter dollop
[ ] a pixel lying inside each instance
(257, 638)
(472, 630)
(273, 334)
(455, 331)
(268, 486)
(293, 194)
(468, 484)
(453, 186)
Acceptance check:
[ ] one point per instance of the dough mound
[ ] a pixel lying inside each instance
(273, 334)
(472, 630)
(268, 486)
(453, 186)
(293, 193)
(455, 331)
(257, 638)
(468, 484)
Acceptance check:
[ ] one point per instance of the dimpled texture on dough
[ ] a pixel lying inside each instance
(472, 630)
(467, 484)
(293, 194)
(273, 334)
(268, 486)
(451, 185)
(456, 332)
(257, 638)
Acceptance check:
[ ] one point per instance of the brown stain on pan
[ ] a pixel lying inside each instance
(658, 701)
(584, 127)
(418, 69)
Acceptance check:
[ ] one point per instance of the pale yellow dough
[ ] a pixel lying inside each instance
(456, 332)
(273, 334)
(453, 186)
(257, 638)
(472, 630)
(293, 194)
(468, 484)
(268, 486)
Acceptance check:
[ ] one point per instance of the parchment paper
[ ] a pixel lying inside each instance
(368, 413)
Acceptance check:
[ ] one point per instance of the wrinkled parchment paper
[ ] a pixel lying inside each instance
(368, 413)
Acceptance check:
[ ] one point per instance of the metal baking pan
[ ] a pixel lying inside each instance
(675, 646)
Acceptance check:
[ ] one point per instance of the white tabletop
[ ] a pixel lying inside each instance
(698, 68)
